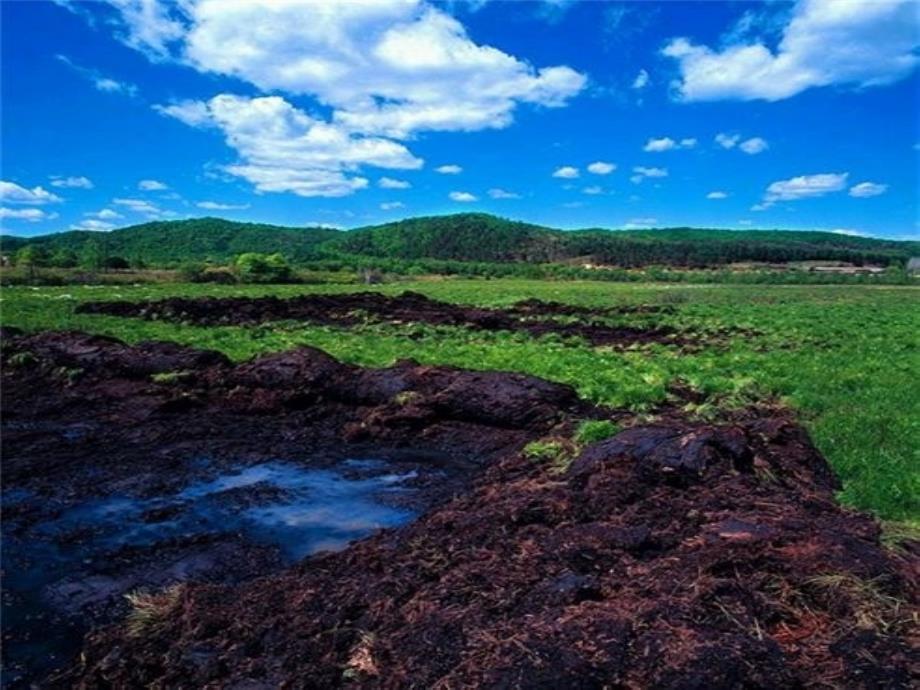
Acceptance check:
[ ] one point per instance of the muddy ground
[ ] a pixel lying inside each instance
(533, 316)
(676, 554)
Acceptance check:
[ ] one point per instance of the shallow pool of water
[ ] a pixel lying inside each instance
(61, 570)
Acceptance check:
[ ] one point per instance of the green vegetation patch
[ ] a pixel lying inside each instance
(845, 357)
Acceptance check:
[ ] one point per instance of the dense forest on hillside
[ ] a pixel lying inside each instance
(164, 243)
(470, 237)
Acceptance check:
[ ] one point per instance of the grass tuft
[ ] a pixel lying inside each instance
(151, 610)
(595, 430)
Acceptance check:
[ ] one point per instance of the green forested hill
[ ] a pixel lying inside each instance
(199, 239)
(472, 237)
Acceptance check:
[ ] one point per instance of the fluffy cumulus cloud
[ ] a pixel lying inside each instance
(566, 172)
(593, 190)
(12, 193)
(386, 70)
(717, 195)
(152, 186)
(727, 141)
(802, 187)
(31, 215)
(754, 145)
(283, 149)
(826, 42)
(390, 183)
(72, 182)
(449, 169)
(462, 197)
(497, 193)
(391, 205)
(751, 146)
(668, 144)
(218, 206)
(867, 189)
(601, 168)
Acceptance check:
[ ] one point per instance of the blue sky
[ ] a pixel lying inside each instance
(770, 115)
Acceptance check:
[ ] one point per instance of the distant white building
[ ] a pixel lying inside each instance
(913, 265)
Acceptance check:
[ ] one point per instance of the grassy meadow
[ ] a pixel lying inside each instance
(844, 357)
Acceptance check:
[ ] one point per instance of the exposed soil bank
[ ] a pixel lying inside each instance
(674, 555)
(530, 316)
(115, 478)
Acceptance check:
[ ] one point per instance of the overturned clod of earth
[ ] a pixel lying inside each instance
(674, 554)
(532, 316)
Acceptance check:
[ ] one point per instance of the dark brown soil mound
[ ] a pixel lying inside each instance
(670, 556)
(530, 316)
(673, 555)
(89, 420)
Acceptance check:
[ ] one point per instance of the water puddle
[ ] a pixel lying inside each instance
(70, 568)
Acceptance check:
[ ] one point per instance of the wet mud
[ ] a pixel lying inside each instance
(675, 554)
(534, 317)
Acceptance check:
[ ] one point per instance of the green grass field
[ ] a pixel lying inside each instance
(845, 357)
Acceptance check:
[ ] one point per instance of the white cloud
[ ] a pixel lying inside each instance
(601, 168)
(217, 206)
(102, 83)
(639, 223)
(641, 80)
(151, 186)
(717, 195)
(192, 113)
(826, 42)
(12, 193)
(105, 214)
(663, 144)
(642, 172)
(668, 144)
(32, 215)
(72, 182)
(727, 141)
(92, 224)
(867, 189)
(497, 193)
(593, 190)
(566, 172)
(754, 145)
(149, 26)
(139, 206)
(388, 68)
(802, 187)
(462, 196)
(850, 232)
(391, 68)
(390, 205)
(449, 169)
(385, 70)
(390, 183)
(322, 224)
(745, 222)
(283, 149)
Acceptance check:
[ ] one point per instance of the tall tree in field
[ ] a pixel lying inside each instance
(31, 257)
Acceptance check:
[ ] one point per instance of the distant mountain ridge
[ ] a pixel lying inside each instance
(472, 237)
